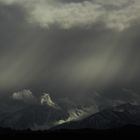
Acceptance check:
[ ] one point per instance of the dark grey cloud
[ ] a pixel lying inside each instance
(70, 61)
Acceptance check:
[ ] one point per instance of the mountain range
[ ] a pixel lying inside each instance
(46, 114)
(41, 114)
(115, 117)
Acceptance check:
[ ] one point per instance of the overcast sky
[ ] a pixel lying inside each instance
(70, 47)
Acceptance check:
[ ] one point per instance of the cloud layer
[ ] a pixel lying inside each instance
(24, 95)
(118, 15)
(69, 48)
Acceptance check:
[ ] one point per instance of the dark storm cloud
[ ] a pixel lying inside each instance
(18, 47)
(11, 19)
(67, 55)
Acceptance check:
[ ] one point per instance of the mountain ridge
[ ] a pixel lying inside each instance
(107, 119)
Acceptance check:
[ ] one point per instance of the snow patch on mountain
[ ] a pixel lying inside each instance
(78, 114)
(46, 100)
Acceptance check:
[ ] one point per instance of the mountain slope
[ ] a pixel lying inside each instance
(17, 114)
(42, 114)
(107, 119)
(34, 117)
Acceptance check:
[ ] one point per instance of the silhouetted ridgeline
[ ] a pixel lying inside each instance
(126, 130)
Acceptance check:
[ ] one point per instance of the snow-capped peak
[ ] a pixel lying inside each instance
(46, 99)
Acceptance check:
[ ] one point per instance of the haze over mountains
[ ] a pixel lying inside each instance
(23, 110)
(26, 111)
